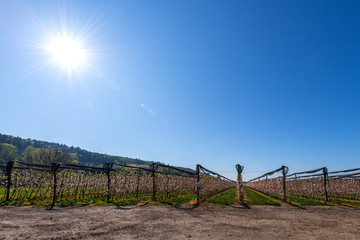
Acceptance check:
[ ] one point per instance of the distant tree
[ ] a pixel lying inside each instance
(29, 150)
(31, 155)
(50, 155)
(74, 159)
(8, 152)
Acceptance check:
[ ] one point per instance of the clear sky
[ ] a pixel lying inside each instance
(259, 83)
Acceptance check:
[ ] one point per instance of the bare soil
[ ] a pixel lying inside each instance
(164, 222)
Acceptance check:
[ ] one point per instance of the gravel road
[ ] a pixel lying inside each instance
(164, 222)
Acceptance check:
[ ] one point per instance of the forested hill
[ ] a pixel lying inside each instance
(16, 148)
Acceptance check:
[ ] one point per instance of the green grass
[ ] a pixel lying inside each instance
(127, 202)
(43, 202)
(48, 202)
(177, 200)
(346, 197)
(258, 199)
(64, 203)
(352, 203)
(226, 198)
(307, 201)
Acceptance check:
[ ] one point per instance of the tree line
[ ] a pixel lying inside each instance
(42, 152)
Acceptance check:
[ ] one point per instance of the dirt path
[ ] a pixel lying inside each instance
(163, 222)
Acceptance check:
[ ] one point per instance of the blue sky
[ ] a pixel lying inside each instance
(259, 83)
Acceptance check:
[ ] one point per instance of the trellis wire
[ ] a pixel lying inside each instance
(272, 186)
(306, 184)
(68, 182)
(346, 185)
(172, 181)
(209, 182)
(312, 184)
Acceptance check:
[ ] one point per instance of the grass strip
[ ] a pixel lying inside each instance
(64, 203)
(226, 198)
(342, 201)
(177, 201)
(259, 199)
(127, 202)
(307, 201)
(346, 198)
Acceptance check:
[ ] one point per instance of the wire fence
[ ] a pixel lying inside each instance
(28, 182)
(21, 181)
(275, 187)
(316, 184)
(210, 183)
(309, 184)
(345, 184)
(172, 182)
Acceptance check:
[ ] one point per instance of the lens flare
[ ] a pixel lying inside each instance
(67, 52)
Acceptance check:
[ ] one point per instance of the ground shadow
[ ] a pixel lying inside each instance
(124, 207)
(242, 203)
(51, 208)
(187, 207)
(295, 205)
(56, 207)
(348, 205)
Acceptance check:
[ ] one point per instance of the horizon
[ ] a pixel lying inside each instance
(255, 83)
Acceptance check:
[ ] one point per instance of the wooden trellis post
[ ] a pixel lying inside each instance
(107, 169)
(154, 182)
(197, 183)
(284, 182)
(8, 170)
(240, 193)
(325, 171)
(54, 168)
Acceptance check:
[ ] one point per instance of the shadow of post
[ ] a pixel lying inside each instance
(182, 207)
(295, 205)
(244, 204)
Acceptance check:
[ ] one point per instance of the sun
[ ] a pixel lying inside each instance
(67, 52)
